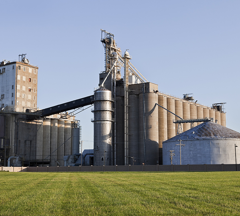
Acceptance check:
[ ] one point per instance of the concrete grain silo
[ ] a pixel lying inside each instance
(193, 113)
(199, 113)
(46, 139)
(60, 145)
(223, 119)
(207, 143)
(170, 117)
(212, 114)
(54, 141)
(178, 112)
(206, 112)
(186, 115)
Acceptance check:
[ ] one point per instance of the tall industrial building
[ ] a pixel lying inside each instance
(18, 81)
(132, 117)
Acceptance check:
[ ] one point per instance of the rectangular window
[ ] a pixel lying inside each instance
(0, 71)
(24, 68)
(34, 81)
(12, 94)
(12, 102)
(29, 97)
(19, 67)
(12, 86)
(29, 79)
(18, 87)
(29, 89)
(24, 78)
(30, 70)
(3, 70)
(18, 77)
(13, 67)
(34, 71)
(2, 96)
(23, 88)
(18, 94)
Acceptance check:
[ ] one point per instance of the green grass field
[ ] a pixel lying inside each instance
(120, 193)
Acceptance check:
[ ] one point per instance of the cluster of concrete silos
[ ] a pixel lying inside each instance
(148, 124)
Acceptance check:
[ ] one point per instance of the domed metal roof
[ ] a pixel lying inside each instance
(207, 130)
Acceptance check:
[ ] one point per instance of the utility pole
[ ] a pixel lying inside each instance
(171, 155)
(180, 144)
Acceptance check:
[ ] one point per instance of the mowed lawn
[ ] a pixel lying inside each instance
(120, 193)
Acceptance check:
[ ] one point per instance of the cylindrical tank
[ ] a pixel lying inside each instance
(206, 112)
(53, 138)
(120, 131)
(212, 114)
(199, 113)
(46, 139)
(218, 117)
(39, 153)
(162, 123)
(133, 126)
(223, 119)
(75, 139)
(186, 115)
(193, 113)
(102, 127)
(179, 112)
(67, 138)
(170, 118)
(60, 150)
(148, 129)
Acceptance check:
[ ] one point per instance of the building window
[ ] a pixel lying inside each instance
(3, 70)
(18, 87)
(34, 97)
(23, 88)
(13, 67)
(34, 71)
(2, 96)
(29, 97)
(12, 102)
(29, 79)
(24, 68)
(12, 86)
(34, 90)
(12, 95)
(30, 70)
(24, 78)
(0, 71)
(18, 77)
(29, 89)
(19, 67)
(18, 94)
(34, 81)
(23, 95)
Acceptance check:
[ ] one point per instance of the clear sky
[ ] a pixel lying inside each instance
(184, 46)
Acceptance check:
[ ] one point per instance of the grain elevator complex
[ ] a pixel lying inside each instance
(132, 118)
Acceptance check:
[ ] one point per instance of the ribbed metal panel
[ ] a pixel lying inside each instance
(39, 154)
(178, 111)
(199, 113)
(46, 139)
(102, 127)
(218, 117)
(186, 115)
(162, 123)
(60, 150)
(206, 112)
(67, 138)
(193, 113)
(133, 129)
(148, 126)
(170, 118)
(223, 119)
(54, 136)
(212, 114)
(75, 140)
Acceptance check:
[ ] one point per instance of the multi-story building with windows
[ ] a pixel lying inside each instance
(18, 85)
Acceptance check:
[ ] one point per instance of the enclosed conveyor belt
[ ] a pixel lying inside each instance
(67, 106)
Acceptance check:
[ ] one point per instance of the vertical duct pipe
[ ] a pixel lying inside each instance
(60, 145)
(53, 138)
(178, 111)
(199, 114)
(193, 114)
(162, 123)
(133, 129)
(171, 118)
(186, 115)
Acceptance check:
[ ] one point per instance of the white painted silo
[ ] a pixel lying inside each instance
(186, 115)
(46, 139)
(193, 113)
(207, 143)
(53, 138)
(162, 123)
(67, 138)
(170, 117)
(223, 119)
(60, 145)
(199, 113)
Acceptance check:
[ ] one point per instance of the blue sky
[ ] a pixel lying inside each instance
(183, 46)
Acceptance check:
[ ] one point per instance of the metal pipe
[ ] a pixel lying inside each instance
(168, 110)
(108, 74)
